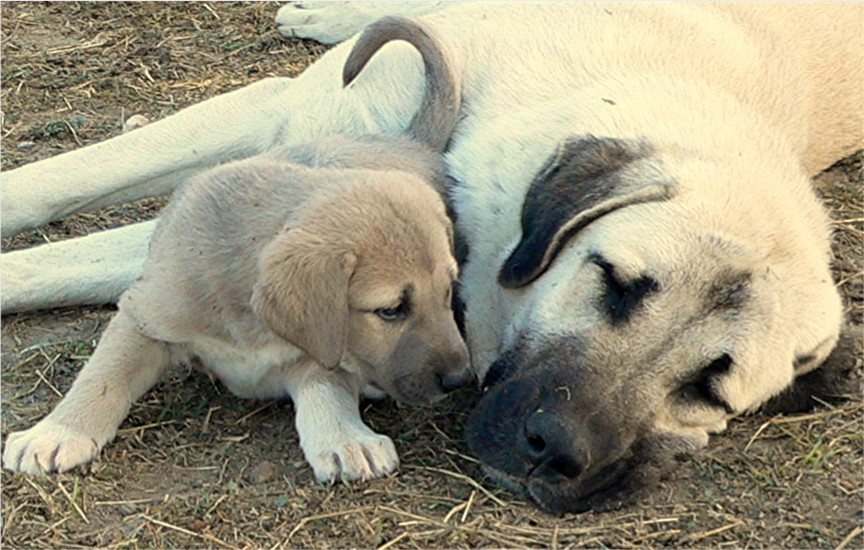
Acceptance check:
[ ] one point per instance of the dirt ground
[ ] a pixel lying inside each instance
(194, 467)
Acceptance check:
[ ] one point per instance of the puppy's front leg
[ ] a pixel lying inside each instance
(336, 442)
(123, 367)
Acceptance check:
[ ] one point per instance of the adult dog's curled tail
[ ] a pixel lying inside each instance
(434, 122)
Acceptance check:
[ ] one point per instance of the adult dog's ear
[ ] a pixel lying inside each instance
(302, 293)
(837, 378)
(586, 179)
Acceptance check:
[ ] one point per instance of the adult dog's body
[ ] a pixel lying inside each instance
(646, 257)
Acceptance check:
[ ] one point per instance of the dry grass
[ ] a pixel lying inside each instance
(194, 467)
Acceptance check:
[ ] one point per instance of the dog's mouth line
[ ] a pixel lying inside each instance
(604, 479)
(503, 479)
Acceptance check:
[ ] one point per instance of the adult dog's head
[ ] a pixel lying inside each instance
(651, 302)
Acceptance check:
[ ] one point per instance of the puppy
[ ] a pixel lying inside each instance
(320, 271)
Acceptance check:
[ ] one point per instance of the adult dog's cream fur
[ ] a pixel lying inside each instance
(646, 258)
(316, 271)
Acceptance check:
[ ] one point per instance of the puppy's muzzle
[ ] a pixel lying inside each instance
(452, 371)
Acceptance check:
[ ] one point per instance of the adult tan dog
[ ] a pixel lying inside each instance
(315, 271)
(646, 258)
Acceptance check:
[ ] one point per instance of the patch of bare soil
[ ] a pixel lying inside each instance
(195, 467)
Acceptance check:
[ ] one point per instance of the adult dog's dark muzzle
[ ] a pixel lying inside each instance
(541, 429)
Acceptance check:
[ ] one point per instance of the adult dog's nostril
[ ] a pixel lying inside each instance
(555, 447)
(535, 439)
(559, 469)
(536, 444)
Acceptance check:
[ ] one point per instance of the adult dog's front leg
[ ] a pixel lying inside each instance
(123, 367)
(336, 442)
(150, 161)
(331, 22)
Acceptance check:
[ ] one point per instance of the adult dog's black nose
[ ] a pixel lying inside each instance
(555, 446)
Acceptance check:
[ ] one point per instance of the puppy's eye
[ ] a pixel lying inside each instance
(400, 311)
(701, 387)
(392, 314)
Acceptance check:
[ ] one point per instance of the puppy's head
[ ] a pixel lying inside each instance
(368, 272)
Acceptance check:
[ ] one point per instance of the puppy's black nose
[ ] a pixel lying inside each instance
(452, 368)
(450, 381)
(556, 448)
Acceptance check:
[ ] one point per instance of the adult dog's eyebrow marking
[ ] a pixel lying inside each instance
(729, 291)
(621, 298)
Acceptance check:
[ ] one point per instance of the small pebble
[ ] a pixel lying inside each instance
(24, 145)
(262, 473)
(127, 508)
(135, 121)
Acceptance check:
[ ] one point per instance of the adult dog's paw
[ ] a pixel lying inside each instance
(359, 456)
(48, 447)
(332, 22)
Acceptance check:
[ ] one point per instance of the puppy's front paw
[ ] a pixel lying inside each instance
(362, 455)
(48, 447)
(325, 22)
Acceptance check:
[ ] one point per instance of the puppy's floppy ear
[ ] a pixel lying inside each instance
(302, 293)
(582, 182)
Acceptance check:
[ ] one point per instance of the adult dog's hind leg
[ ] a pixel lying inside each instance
(155, 159)
(124, 366)
(150, 161)
(95, 269)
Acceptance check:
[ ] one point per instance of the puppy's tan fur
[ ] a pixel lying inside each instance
(316, 271)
